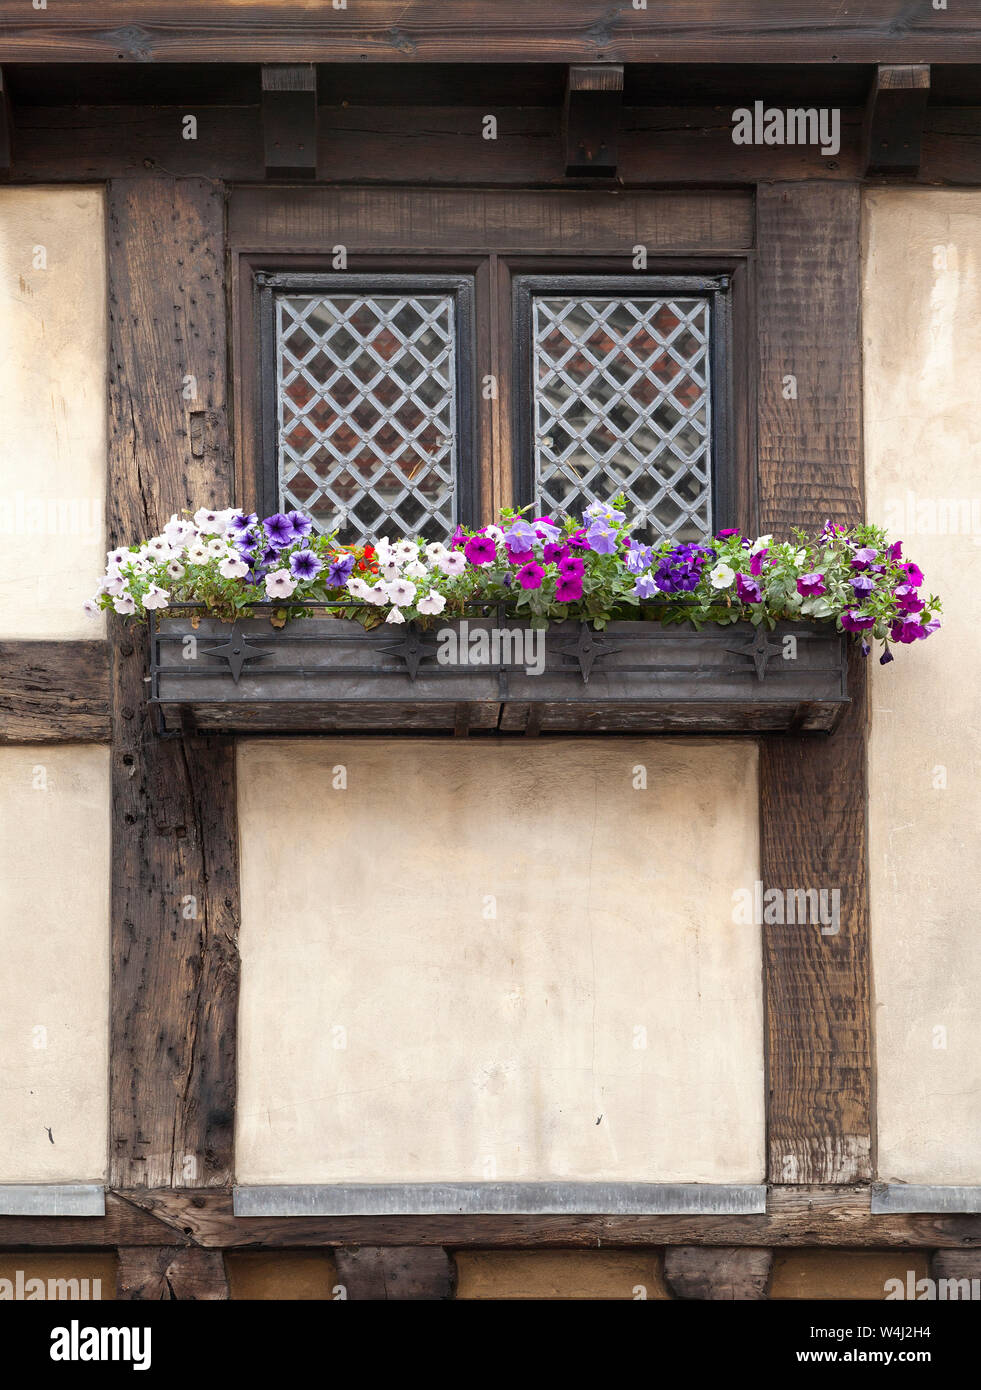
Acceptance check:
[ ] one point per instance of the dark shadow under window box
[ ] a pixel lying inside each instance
(493, 675)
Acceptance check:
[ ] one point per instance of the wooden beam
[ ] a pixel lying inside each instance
(813, 794)
(894, 119)
(54, 692)
(147, 1272)
(396, 1273)
(467, 31)
(6, 125)
(713, 1274)
(591, 119)
(804, 1216)
(289, 120)
(175, 903)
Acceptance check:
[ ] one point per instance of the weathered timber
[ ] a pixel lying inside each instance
(813, 797)
(289, 120)
(6, 125)
(161, 1272)
(894, 119)
(591, 119)
(411, 31)
(400, 1273)
(54, 692)
(707, 1272)
(175, 904)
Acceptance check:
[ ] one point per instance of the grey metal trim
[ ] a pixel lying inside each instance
(893, 1198)
(52, 1199)
(501, 1199)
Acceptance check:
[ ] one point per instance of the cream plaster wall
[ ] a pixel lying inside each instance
(451, 967)
(54, 945)
(53, 408)
(922, 330)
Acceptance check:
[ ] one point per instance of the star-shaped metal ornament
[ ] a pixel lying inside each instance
(236, 652)
(760, 651)
(412, 648)
(587, 649)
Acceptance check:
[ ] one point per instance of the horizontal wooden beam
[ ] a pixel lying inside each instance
(894, 120)
(798, 1216)
(54, 692)
(401, 31)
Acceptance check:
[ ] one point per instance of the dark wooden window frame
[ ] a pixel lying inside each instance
(715, 289)
(461, 287)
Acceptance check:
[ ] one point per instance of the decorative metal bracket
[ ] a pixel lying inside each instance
(587, 649)
(760, 651)
(236, 651)
(412, 648)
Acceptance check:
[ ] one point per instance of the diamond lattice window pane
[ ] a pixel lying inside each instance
(622, 403)
(367, 412)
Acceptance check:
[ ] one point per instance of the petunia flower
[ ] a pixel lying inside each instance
(280, 584)
(602, 538)
(301, 523)
(572, 567)
(553, 552)
(853, 621)
(431, 602)
(645, 587)
(125, 604)
(232, 567)
(155, 597)
(748, 590)
(907, 598)
(530, 576)
(279, 530)
(395, 616)
(400, 592)
(811, 585)
(914, 575)
(518, 557)
(722, 576)
(480, 550)
(452, 565)
(520, 535)
(756, 562)
(568, 589)
(339, 570)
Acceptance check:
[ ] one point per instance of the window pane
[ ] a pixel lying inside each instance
(367, 412)
(622, 404)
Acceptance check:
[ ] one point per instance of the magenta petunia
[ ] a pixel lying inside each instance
(756, 563)
(480, 550)
(853, 621)
(571, 567)
(518, 557)
(554, 552)
(530, 576)
(811, 585)
(568, 589)
(748, 589)
(907, 598)
(914, 575)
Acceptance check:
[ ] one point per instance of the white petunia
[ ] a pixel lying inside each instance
(495, 533)
(431, 603)
(175, 569)
(159, 548)
(197, 553)
(435, 551)
(279, 584)
(763, 543)
(400, 592)
(395, 617)
(357, 588)
(389, 571)
(141, 566)
(208, 522)
(417, 570)
(91, 608)
(115, 559)
(125, 604)
(403, 551)
(155, 597)
(233, 567)
(218, 549)
(179, 532)
(453, 564)
(722, 576)
(113, 584)
(376, 595)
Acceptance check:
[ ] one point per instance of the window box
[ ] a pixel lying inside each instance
(329, 674)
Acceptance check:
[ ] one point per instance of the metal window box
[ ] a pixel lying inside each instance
(328, 674)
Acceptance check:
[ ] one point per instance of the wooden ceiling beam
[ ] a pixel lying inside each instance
(894, 118)
(591, 119)
(289, 120)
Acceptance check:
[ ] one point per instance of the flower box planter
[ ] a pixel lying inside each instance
(329, 674)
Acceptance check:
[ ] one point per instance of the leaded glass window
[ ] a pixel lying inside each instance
(621, 400)
(368, 436)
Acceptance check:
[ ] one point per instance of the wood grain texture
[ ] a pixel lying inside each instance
(813, 794)
(54, 692)
(893, 130)
(717, 1275)
(401, 31)
(154, 1273)
(175, 904)
(795, 1216)
(414, 1273)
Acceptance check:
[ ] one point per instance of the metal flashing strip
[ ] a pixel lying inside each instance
(910, 1198)
(501, 1199)
(52, 1199)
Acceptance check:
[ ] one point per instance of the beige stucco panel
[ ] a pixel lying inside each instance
(53, 407)
(922, 329)
(486, 960)
(54, 944)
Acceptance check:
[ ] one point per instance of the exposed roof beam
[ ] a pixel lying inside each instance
(591, 120)
(894, 118)
(289, 120)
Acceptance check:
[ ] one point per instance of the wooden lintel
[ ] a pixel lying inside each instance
(289, 120)
(415, 1273)
(796, 1216)
(894, 118)
(718, 1274)
(54, 692)
(591, 120)
(6, 125)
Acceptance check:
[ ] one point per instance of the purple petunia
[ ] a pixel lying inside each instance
(864, 558)
(811, 585)
(304, 564)
(602, 537)
(520, 535)
(907, 599)
(241, 521)
(645, 587)
(853, 621)
(301, 523)
(862, 584)
(279, 530)
(340, 571)
(748, 590)
(480, 550)
(530, 576)
(572, 567)
(518, 557)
